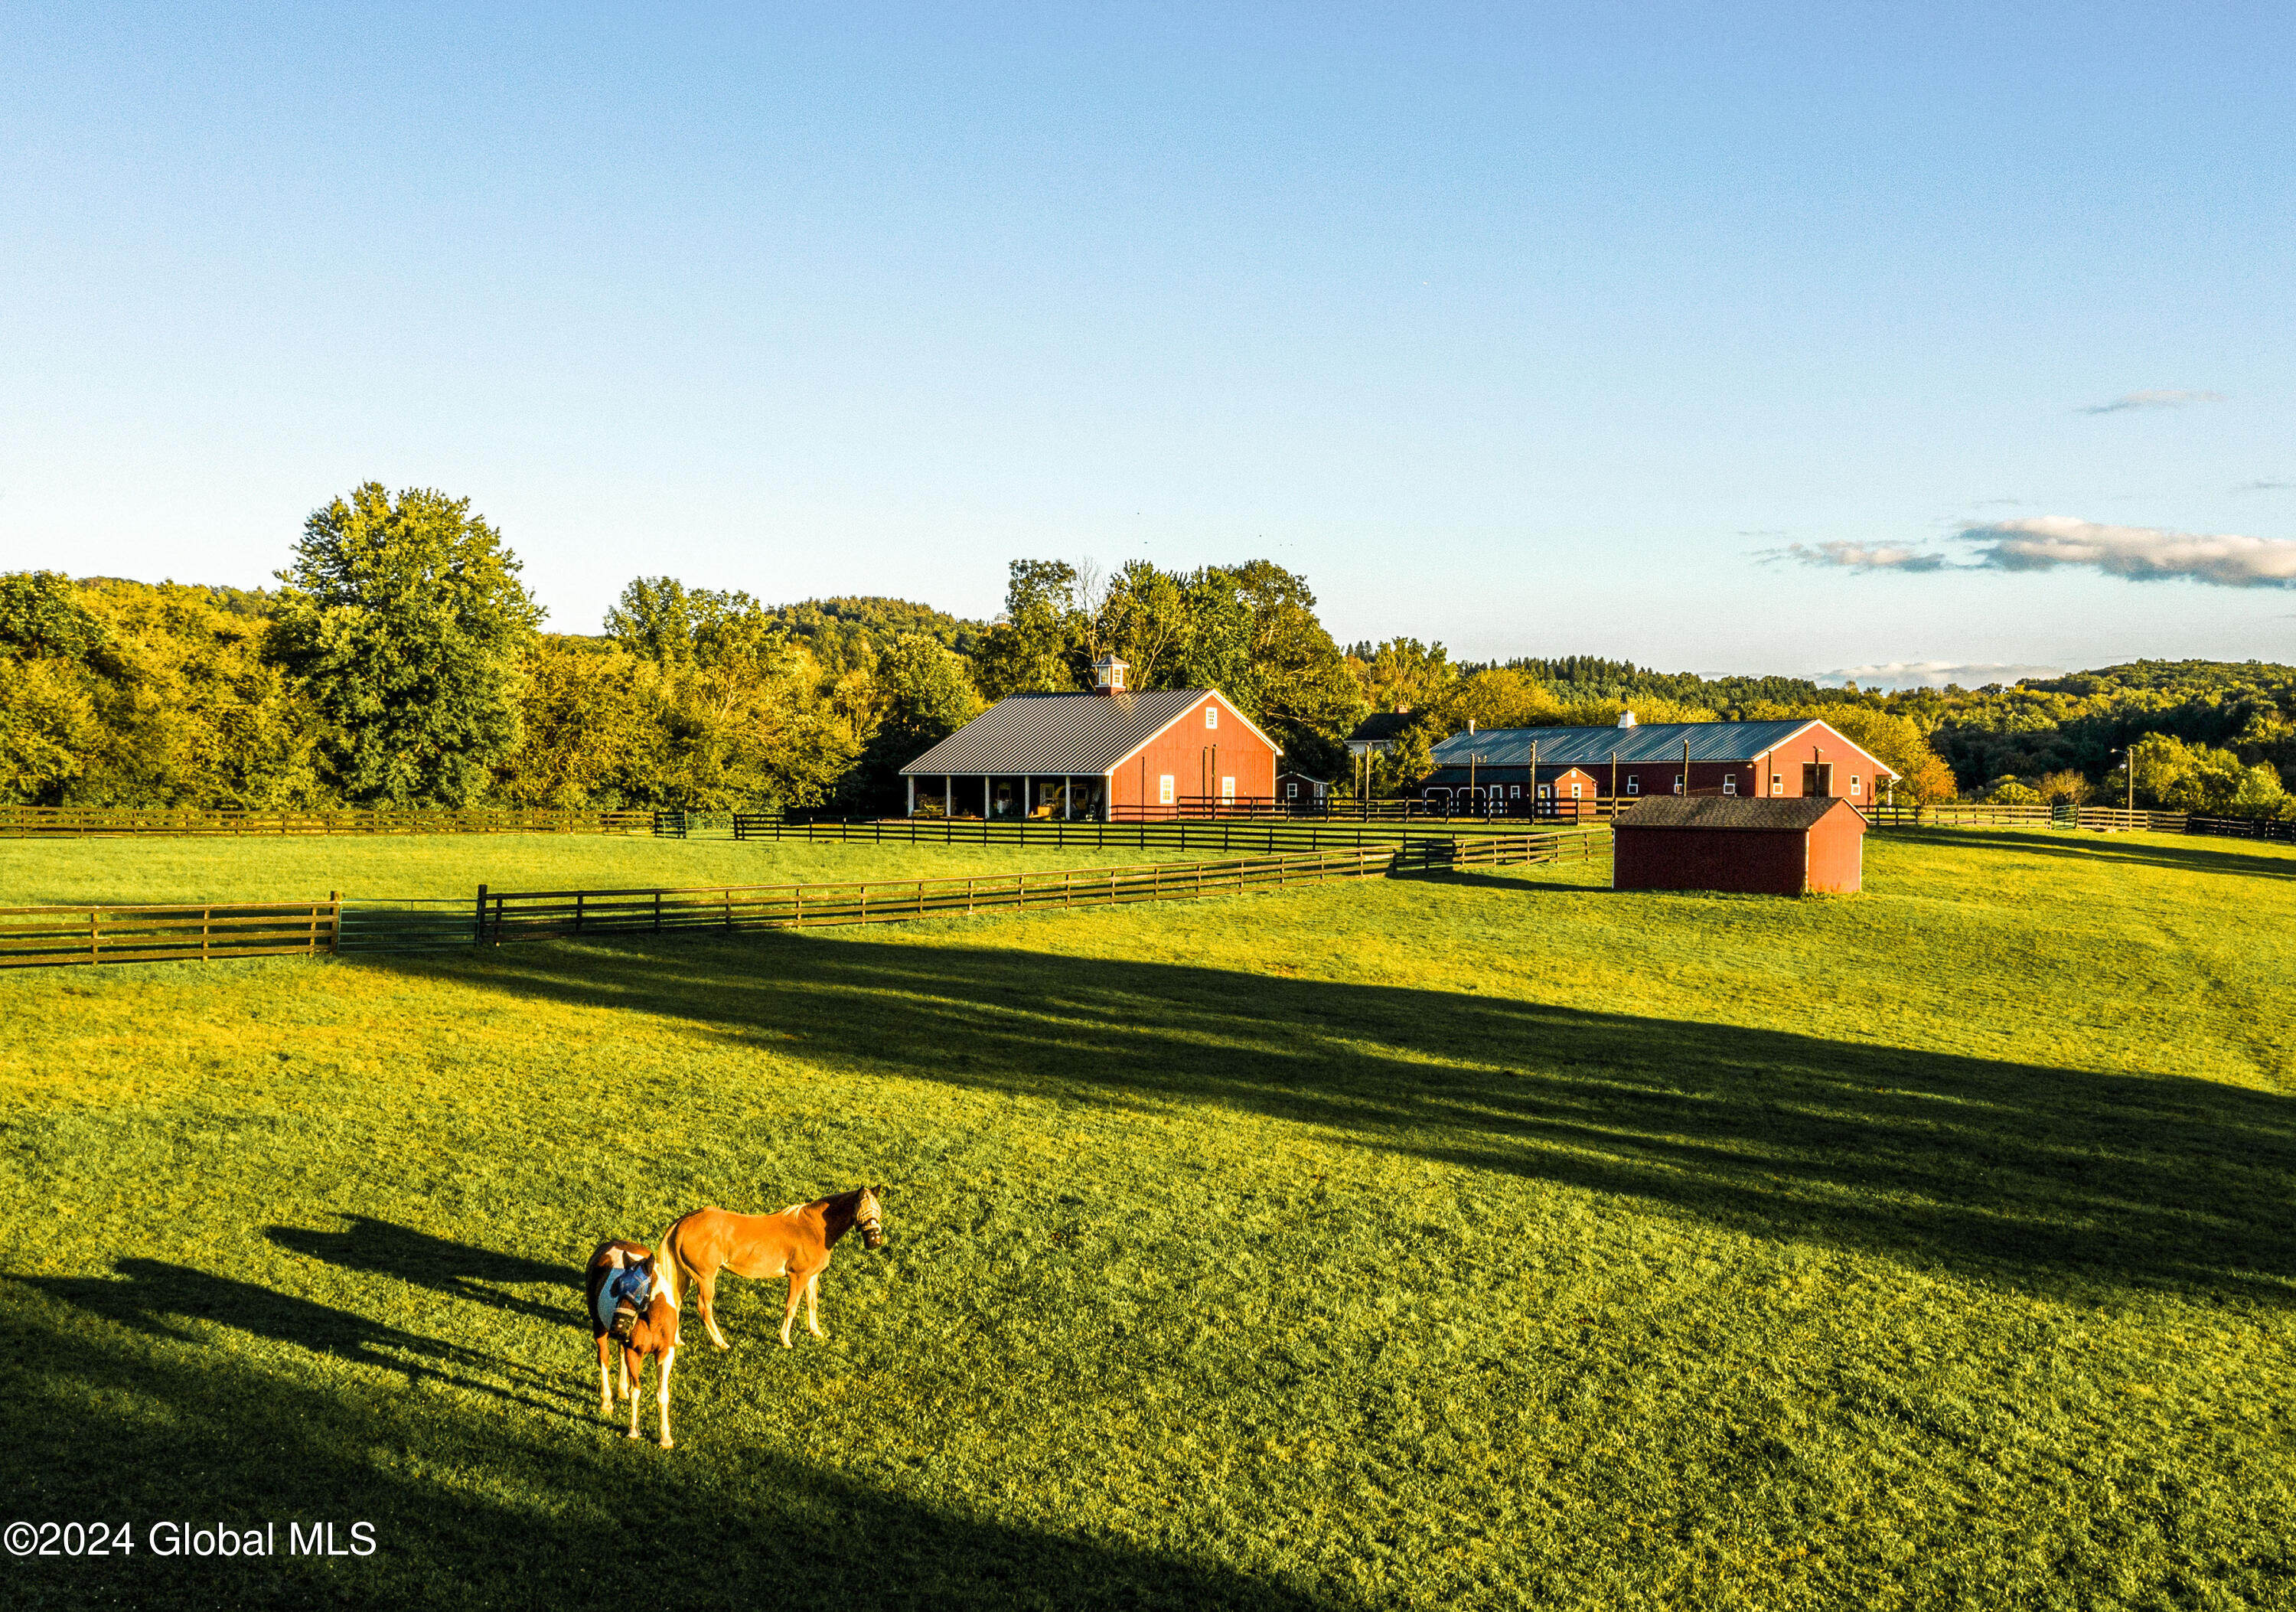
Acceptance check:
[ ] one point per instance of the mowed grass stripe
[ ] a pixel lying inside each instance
(1487, 1241)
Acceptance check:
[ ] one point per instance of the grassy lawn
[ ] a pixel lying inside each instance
(1489, 1240)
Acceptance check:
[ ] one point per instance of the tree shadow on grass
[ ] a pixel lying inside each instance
(2018, 1171)
(440, 1263)
(486, 1510)
(2203, 856)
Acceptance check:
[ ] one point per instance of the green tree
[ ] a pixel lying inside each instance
(406, 620)
(1039, 645)
(921, 694)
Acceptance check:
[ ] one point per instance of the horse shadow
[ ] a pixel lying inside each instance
(155, 1298)
(379, 1247)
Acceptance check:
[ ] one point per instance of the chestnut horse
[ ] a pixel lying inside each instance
(652, 1330)
(795, 1242)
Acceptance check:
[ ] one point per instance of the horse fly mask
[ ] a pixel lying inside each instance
(622, 1299)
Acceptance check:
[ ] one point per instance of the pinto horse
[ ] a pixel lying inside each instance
(794, 1242)
(653, 1332)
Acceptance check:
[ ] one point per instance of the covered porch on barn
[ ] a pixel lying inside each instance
(1009, 797)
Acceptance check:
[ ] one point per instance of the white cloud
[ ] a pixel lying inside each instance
(1936, 674)
(2140, 553)
(1860, 556)
(2153, 400)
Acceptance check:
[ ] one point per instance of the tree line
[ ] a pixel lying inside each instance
(401, 660)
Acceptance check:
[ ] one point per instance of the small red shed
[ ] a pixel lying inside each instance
(1751, 847)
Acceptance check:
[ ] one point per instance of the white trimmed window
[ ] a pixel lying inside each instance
(1211, 716)
(1515, 790)
(1164, 790)
(1290, 792)
(1853, 783)
(1546, 790)
(1730, 783)
(1678, 781)
(1777, 782)
(1634, 784)
(1574, 792)
(1227, 789)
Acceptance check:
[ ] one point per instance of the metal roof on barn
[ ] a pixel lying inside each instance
(1789, 814)
(1061, 734)
(1646, 741)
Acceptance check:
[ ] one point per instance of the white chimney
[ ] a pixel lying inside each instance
(1626, 719)
(1470, 726)
(1108, 674)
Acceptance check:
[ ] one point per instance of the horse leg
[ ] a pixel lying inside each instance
(662, 1394)
(605, 1378)
(622, 1390)
(813, 1304)
(705, 1292)
(796, 1294)
(637, 1392)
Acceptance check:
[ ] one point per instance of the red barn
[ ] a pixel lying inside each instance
(1752, 847)
(1109, 754)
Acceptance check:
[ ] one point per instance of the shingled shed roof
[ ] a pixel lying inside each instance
(1774, 815)
(1063, 735)
(1645, 742)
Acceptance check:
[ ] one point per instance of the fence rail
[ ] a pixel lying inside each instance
(533, 914)
(546, 914)
(41, 936)
(2244, 828)
(171, 821)
(1267, 835)
(1969, 814)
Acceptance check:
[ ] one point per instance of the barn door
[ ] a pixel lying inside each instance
(1817, 778)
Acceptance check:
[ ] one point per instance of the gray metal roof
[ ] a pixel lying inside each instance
(1732, 812)
(1061, 734)
(1649, 742)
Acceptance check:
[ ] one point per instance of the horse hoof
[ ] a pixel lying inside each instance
(668, 1446)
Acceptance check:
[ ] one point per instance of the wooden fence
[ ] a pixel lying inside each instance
(2244, 828)
(39, 936)
(537, 914)
(172, 821)
(1989, 814)
(1266, 836)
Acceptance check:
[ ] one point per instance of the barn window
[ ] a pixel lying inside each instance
(1164, 790)
(1290, 792)
(1777, 782)
(1853, 783)
(1679, 782)
(1515, 790)
(1730, 783)
(1545, 789)
(1634, 784)
(1211, 716)
(1227, 789)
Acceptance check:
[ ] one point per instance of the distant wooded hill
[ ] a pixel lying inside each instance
(114, 691)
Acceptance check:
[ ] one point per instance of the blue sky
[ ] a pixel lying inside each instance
(1725, 339)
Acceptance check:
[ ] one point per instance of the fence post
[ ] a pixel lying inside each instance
(335, 915)
(478, 933)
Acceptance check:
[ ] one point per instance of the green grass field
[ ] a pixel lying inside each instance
(1487, 1241)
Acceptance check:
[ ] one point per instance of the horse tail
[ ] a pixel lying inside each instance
(672, 1265)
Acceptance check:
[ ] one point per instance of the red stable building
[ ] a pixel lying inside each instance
(1108, 755)
(1780, 846)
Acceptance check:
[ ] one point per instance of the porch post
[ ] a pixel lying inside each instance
(912, 796)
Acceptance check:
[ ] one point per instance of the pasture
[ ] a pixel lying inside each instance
(1482, 1240)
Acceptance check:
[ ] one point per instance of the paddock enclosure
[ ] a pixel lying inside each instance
(1480, 1238)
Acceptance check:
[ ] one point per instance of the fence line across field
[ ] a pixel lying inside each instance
(174, 821)
(1989, 814)
(1266, 836)
(41, 936)
(523, 915)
